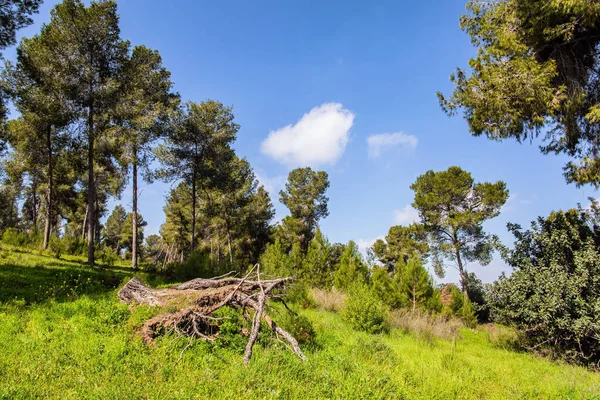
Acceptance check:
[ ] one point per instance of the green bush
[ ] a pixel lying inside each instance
(299, 294)
(56, 246)
(75, 246)
(364, 311)
(106, 256)
(15, 237)
(196, 265)
(299, 327)
(553, 294)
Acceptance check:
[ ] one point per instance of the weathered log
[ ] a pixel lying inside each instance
(199, 298)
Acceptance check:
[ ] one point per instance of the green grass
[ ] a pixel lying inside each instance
(81, 343)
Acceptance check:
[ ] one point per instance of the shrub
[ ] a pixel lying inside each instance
(106, 256)
(75, 246)
(463, 307)
(424, 325)
(15, 237)
(299, 294)
(56, 246)
(329, 300)
(197, 265)
(299, 327)
(364, 311)
(553, 294)
(387, 289)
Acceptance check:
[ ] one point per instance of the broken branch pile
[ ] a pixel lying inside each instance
(200, 298)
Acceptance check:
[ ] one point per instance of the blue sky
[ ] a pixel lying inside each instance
(321, 77)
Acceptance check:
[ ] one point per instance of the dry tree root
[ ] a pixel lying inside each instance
(200, 299)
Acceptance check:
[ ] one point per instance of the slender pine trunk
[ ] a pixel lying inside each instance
(461, 269)
(134, 249)
(84, 224)
(50, 194)
(34, 185)
(91, 188)
(193, 240)
(229, 239)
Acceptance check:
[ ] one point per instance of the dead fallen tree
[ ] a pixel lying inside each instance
(199, 298)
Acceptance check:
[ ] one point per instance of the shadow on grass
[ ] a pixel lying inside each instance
(54, 280)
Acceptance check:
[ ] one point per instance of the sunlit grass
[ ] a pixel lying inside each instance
(82, 343)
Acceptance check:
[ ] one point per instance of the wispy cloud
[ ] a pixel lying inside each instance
(272, 184)
(365, 244)
(318, 138)
(406, 215)
(379, 142)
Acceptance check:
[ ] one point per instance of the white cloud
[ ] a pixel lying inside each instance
(272, 184)
(319, 137)
(406, 215)
(365, 244)
(381, 141)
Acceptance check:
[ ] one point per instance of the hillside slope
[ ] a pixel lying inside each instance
(81, 343)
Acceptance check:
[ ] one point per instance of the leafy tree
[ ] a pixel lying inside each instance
(536, 71)
(175, 231)
(553, 294)
(304, 196)
(387, 288)
(113, 229)
(127, 234)
(14, 15)
(82, 54)
(352, 268)
(196, 148)
(144, 116)
(40, 137)
(401, 244)
(416, 283)
(317, 267)
(453, 208)
(477, 295)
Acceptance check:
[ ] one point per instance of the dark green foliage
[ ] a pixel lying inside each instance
(57, 246)
(15, 237)
(453, 209)
(14, 15)
(400, 244)
(364, 311)
(299, 327)
(197, 151)
(477, 294)
(112, 233)
(298, 293)
(387, 289)
(197, 265)
(553, 294)
(319, 263)
(415, 284)
(352, 268)
(304, 196)
(536, 71)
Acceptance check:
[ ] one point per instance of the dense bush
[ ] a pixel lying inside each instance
(197, 265)
(364, 311)
(106, 256)
(15, 237)
(299, 327)
(553, 295)
(56, 246)
(463, 307)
